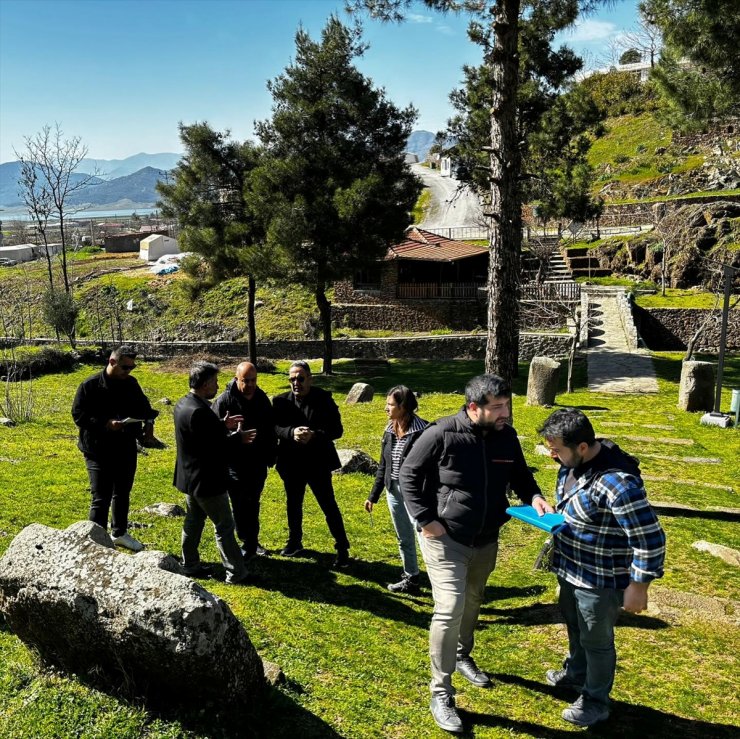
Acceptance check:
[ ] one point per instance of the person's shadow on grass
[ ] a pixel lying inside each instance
(626, 720)
(310, 577)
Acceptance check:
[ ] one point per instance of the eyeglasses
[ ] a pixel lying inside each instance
(127, 367)
(300, 379)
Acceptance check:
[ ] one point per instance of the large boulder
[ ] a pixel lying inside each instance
(696, 388)
(542, 385)
(124, 621)
(360, 392)
(353, 460)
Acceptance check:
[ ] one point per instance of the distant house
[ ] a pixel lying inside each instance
(126, 242)
(424, 282)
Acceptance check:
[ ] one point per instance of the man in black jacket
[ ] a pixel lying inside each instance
(109, 408)
(454, 482)
(250, 452)
(307, 421)
(201, 473)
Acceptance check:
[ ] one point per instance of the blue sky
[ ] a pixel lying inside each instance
(121, 74)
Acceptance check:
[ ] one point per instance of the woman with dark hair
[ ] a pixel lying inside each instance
(404, 428)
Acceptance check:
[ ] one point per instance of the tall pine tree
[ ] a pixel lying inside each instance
(209, 196)
(500, 27)
(335, 185)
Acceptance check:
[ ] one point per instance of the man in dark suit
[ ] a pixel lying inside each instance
(250, 452)
(201, 473)
(307, 422)
(109, 408)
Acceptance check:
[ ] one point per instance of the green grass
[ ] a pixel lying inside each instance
(675, 298)
(422, 206)
(356, 656)
(618, 148)
(684, 196)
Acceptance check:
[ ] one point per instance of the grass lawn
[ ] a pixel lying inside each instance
(355, 656)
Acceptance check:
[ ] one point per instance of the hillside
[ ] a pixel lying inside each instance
(638, 158)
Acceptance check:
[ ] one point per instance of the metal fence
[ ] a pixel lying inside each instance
(439, 289)
(551, 291)
(461, 233)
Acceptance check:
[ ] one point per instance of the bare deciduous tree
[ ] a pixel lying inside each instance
(50, 162)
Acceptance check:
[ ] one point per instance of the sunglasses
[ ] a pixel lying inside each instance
(299, 379)
(127, 367)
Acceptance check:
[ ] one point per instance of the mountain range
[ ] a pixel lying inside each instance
(131, 182)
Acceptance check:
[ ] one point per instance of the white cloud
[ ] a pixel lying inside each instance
(446, 30)
(591, 30)
(418, 18)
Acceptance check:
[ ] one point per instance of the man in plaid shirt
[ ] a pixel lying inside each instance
(611, 550)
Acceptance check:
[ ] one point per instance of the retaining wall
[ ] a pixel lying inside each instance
(666, 329)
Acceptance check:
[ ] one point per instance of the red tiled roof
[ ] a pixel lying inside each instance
(426, 246)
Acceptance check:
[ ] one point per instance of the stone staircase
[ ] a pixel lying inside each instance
(582, 264)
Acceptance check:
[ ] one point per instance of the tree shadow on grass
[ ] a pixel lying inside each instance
(539, 614)
(729, 516)
(310, 578)
(627, 719)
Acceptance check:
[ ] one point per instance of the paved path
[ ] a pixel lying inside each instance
(450, 207)
(613, 365)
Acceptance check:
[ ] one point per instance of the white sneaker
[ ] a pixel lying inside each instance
(128, 542)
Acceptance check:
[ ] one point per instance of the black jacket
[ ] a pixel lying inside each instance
(456, 475)
(98, 399)
(201, 467)
(320, 414)
(258, 414)
(383, 475)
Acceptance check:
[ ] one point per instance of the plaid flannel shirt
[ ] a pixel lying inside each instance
(613, 535)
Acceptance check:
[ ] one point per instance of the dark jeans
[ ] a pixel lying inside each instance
(320, 483)
(245, 489)
(217, 509)
(590, 615)
(111, 480)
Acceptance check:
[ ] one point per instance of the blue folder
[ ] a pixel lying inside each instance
(550, 522)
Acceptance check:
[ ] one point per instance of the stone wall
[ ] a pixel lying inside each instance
(665, 329)
(468, 346)
(411, 315)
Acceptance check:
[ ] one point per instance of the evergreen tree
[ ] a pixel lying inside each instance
(209, 197)
(699, 68)
(335, 186)
(520, 74)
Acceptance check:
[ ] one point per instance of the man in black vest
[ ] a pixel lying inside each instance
(307, 422)
(250, 452)
(201, 473)
(454, 482)
(109, 408)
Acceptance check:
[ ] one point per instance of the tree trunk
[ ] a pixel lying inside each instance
(324, 307)
(64, 252)
(251, 326)
(502, 349)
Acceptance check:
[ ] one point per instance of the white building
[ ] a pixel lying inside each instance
(153, 247)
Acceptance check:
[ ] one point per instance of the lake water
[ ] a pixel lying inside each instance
(7, 215)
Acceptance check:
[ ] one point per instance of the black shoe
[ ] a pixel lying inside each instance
(260, 551)
(445, 714)
(342, 561)
(469, 670)
(201, 571)
(291, 550)
(407, 584)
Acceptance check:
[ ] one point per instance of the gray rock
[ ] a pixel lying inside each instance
(726, 554)
(353, 460)
(160, 560)
(696, 389)
(6, 422)
(273, 674)
(361, 392)
(165, 401)
(542, 384)
(168, 510)
(122, 623)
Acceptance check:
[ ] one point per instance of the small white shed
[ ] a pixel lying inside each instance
(20, 253)
(153, 247)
